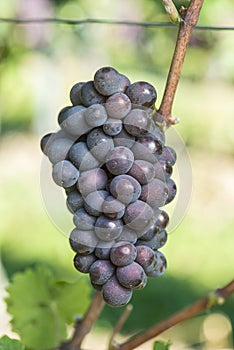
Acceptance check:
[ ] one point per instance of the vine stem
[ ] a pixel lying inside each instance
(215, 298)
(188, 22)
(84, 326)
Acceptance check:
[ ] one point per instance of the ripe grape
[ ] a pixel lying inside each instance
(101, 271)
(92, 180)
(127, 235)
(124, 83)
(142, 93)
(58, 149)
(125, 188)
(74, 122)
(89, 95)
(118, 105)
(44, 142)
(112, 208)
(112, 126)
(154, 193)
(95, 115)
(99, 143)
(83, 220)
(103, 248)
(136, 122)
(75, 93)
(74, 201)
(119, 160)
(142, 171)
(107, 81)
(168, 155)
(124, 139)
(157, 241)
(107, 229)
(94, 202)
(138, 216)
(158, 267)
(131, 276)
(83, 262)
(82, 158)
(83, 242)
(145, 256)
(115, 294)
(151, 145)
(172, 189)
(65, 174)
(123, 253)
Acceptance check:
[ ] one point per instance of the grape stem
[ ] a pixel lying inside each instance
(217, 297)
(119, 325)
(171, 11)
(188, 21)
(83, 327)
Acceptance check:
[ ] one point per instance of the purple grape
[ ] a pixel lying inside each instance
(142, 171)
(138, 216)
(58, 149)
(101, 271)
(94, 202)
(119, 160)
(103, 248)
(83, 220)
(127, 235)
(125, 188)
(75, 93)
(74, 201)
(112, 208)
(168, 155)
(89, 95)
(151, 145)
(63, 114)
(172, 189)
(112, 126)
(92, 180)
(124, 139)
(154, 193)
(142, 93)
(136, 122)
(95, 115)
(131, 276)
(145, 256)
(83, 262)
(157, 241)
(158, 267)
(74, 122)
(125, 82)
(82, 158)
(99, 143)
(65, 174)
(44, 142)
(115, 294)
(123, 253)
(118, 105)
(107, 81)
(142, 153)
(83, 242)
(162, 220)
(107, 229)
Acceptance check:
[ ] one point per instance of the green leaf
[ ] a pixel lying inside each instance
(42, 307)
(160, 345)
(7, 343)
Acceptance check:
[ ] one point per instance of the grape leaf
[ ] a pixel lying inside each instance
(41, 306)
(160, 345)
(7, 343)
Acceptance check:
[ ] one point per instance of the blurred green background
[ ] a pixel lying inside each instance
(39, 63)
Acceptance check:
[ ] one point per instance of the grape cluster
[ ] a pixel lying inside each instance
(110, 157)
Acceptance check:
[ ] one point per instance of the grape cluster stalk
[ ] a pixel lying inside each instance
(110, 157)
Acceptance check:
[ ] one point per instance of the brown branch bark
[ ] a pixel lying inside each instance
(190, 18)
(84, 327)
(217, 297)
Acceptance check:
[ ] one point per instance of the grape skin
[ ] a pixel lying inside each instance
(131, 276)
(99, 143)
(157, 241)
(112, 208)
(142, 171)
(83, 262)
(101, 271)
(75, 93)
(138, 216)
(154, 193)
(58, 149)
(107, 229)
(95, 115)
(103, 248)
(74, 121)
(82, 158)
(89, 95)
(119, 160)
(107, 81)
(112, 126)
(158, 267)
(118, 105)
(83, 221)
(83, 242)
(127, 235)
(74, 201)
(136, 122)
(168, 155)
(124, 139)
(172, 189)
(125, 188)
(92, 180)
(123, 253)
(142, 93)
(115, 294)
(94, 202)
(65, 174)
(145, 256)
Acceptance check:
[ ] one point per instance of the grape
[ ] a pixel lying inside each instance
(74, 122)
(83, 221)
(101, 271)
(99, 143)
(107, 229)
(95, 115)
(172, 189)
(138, 216)
(155, 132)
(163, 170)
(94, 202)
(115, 294)
(119, 160)
(118, 105)
(83, 242)
(151, 145)
(63, 114)
(123, 253)
(44, 142)
(168, 155)
(162, 220)
(74, 201)
(65, 174)
(127, 235)
(92, 180)
(107, 81)
(112, 126)
(125, 188)
(142, 153)
(142, 171)
(83, 262)
(112, 208)
(58, 149)
(145, 256)
(75, 93)
(89, 95)
(158, 267)
(136, 122)
(131, 276)
(103, 248)
(82, 158)
(124, 139)
(142, 93)
(158, 240)
(154, 193)
(124, 83)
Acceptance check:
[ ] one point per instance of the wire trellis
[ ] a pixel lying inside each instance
(72, 22)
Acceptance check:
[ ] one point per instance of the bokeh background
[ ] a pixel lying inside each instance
(39, 63)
